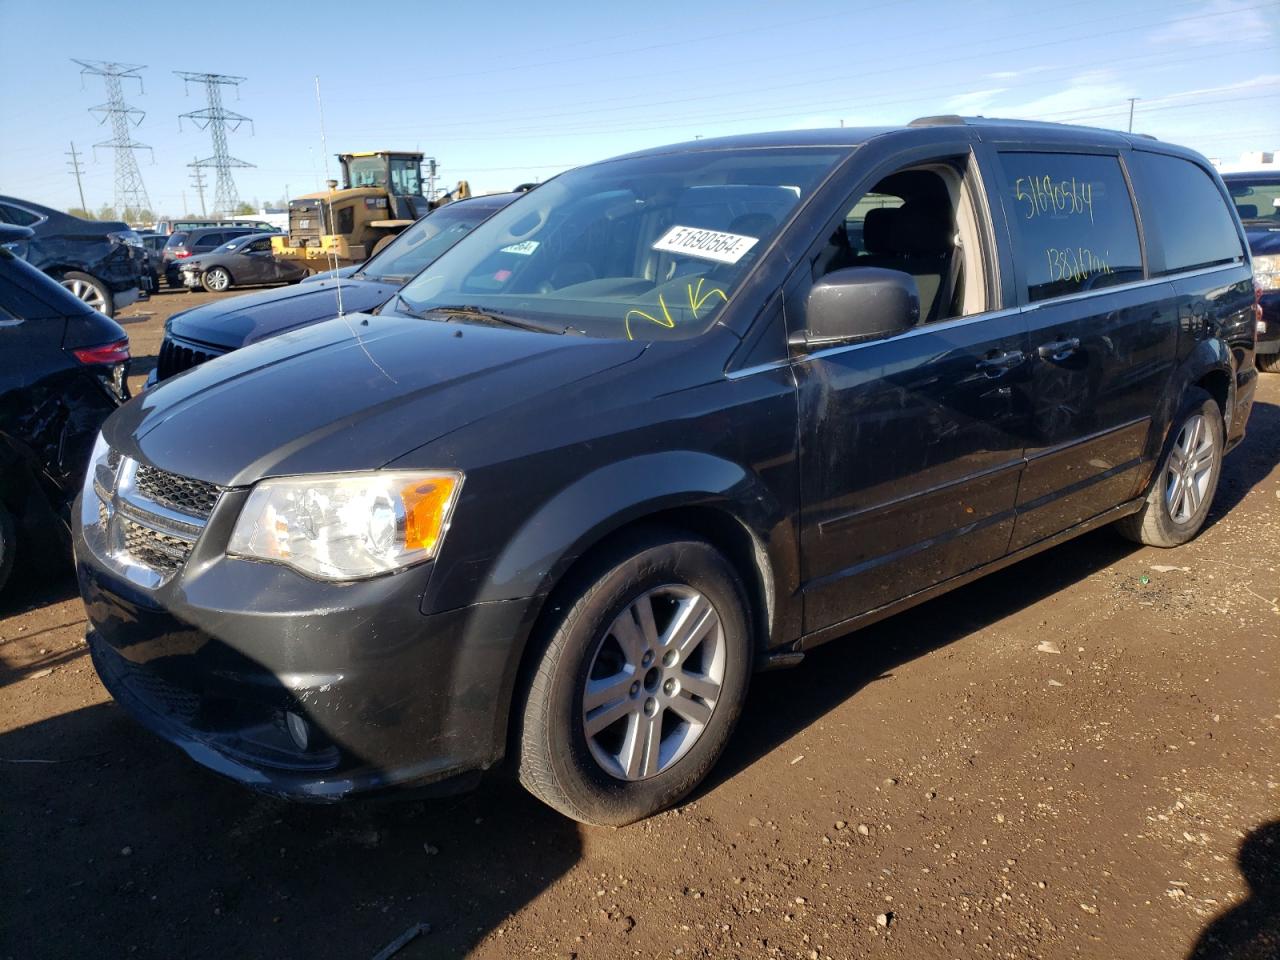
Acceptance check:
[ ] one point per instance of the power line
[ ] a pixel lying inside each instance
(130, 194)
(217, 119)
(74, 164)
(197, 180)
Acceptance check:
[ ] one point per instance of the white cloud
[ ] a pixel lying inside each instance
(1217, 21)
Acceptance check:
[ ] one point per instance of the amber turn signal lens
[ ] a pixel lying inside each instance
(425, 505)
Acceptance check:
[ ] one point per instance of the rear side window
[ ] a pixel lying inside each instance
(1195, 225)
(23, 218)
(1073, 224)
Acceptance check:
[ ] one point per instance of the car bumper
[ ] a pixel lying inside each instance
(214, 663)
(190, 279)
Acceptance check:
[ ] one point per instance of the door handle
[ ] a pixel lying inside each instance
(1059, 349)
(1000, 363)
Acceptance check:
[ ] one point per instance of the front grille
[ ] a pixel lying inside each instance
(153, 548)
(193, 497)
(306, 223)
(176, 356)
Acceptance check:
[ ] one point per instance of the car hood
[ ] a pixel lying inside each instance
(229, 324)
(1264, 241)
(345, 395)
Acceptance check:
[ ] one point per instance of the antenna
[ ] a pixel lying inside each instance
(74, 164)
(217, 119)
(130, 194)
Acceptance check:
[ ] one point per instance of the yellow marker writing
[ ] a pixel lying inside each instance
(697, 299)
(667, 321)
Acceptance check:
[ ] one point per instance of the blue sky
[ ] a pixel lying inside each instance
(501, 93)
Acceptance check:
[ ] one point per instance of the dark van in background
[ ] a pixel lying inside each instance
(1257, 199)
(660, 422)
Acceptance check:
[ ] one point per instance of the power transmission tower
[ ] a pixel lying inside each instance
(74, 164)
(217, 120)
(130, 195)
(197, 180)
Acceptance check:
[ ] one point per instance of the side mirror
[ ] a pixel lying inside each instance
(859, 303)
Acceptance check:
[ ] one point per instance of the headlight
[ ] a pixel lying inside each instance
(1266, 270)
(347, 526)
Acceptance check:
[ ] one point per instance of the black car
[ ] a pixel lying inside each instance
(154, 243)
(664, 420)
(1257, 199)
(102, 262)
(242, 261)
(212, 329)
(189, 243)
(62, 368)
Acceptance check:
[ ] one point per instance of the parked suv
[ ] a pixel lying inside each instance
(62, 372)
(102, 262)
(664, 420)
(189, 243)
(1257, 199)
(212, 329)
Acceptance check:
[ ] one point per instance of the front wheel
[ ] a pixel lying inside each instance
(1267, 362)
(216, 279)
(640, 684)
(1186, 478)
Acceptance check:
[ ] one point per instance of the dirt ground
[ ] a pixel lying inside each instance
(1076, 757)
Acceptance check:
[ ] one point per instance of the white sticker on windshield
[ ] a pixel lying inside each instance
(523, 248)
(706, 244)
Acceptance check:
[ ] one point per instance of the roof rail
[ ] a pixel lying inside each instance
(942, 120)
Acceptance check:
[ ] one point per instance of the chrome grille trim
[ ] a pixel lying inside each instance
(149, 520)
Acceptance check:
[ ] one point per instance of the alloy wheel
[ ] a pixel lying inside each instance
(217, 280)
(87, 292)
(1189, 470)
(654, 682)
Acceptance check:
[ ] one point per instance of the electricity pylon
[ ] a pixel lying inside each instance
(130, 194)
(217, 120)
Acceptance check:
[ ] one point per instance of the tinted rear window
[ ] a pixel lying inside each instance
(176, 240)
(1073, 223)
(1192, 217)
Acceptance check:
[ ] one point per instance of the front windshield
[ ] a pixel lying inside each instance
(427, 239)
(642, 248)
(367, 171)
(1256, 198)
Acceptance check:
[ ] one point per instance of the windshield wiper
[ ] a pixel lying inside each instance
(476, 314)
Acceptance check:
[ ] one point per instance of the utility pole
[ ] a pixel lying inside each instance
(130, 194)
(74, 164)
(217, 120)
(197, 179)
(1132, 101)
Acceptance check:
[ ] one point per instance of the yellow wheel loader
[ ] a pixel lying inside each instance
(381, 195)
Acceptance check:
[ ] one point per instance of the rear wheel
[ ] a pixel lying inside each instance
(383, 242)
(216, 279)
(1267, 362)
(641, 683)
(89, 289)
(1186, 478)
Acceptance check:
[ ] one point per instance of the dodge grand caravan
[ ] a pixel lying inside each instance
(663, 420)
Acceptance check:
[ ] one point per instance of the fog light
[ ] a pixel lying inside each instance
(298, 730)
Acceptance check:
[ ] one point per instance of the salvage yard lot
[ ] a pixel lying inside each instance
(1078, 756)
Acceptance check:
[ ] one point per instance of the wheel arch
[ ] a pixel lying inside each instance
(732, 509)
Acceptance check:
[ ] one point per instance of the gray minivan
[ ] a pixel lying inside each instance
(665, 420)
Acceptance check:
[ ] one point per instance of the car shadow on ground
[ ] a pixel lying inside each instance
(1249, 930)
(1250, 463)
(113, 837)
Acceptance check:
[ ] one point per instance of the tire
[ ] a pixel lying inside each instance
(1267, 362)
(8, 545)
(91, 290)
(216, 279)
(1181, 493)
(595, 766)
(382, 242)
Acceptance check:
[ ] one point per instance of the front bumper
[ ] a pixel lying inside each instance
(215, 659)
